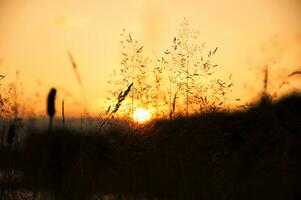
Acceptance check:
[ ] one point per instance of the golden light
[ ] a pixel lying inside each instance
(141, 115)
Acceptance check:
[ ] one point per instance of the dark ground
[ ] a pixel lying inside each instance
(251, 154)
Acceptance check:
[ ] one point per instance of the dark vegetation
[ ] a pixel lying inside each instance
(251, 154)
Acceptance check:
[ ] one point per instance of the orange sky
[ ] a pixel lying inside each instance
(35, 35)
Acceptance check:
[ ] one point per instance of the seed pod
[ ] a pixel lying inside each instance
(51, 102)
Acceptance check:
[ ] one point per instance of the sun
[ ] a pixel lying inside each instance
(141, 115)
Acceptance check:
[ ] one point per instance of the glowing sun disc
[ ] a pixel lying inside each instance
(141, 115)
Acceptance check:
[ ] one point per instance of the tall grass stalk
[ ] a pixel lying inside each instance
(63, 113)
(110, 112)
(78, 78)
(51, 107)
(285, 81)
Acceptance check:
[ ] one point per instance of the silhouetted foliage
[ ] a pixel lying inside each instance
(250, 154)
(182, 81)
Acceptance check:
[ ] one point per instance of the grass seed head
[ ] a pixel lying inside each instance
(51, 102)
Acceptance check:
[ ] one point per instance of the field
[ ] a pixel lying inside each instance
(248, 154)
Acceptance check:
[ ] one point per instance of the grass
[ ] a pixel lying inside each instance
(202, 151)
(250, 154)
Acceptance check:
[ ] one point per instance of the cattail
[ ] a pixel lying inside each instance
(51, 106)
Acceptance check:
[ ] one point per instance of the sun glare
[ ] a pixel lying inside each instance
(141, 115)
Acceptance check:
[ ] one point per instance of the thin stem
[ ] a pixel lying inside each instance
(63, 114)
(50, 124)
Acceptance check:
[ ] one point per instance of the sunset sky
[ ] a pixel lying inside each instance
(36, 34)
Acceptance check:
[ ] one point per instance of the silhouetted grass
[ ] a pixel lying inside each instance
(251, 154)
(51, 107)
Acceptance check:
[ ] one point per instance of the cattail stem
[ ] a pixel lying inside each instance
(50, 125)
(63, 114)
